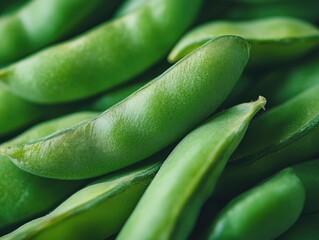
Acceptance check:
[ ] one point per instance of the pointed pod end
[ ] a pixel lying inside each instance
(261, 101)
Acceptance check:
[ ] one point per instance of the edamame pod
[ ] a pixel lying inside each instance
(20, 113)
(273, 40)
(42, 22)
(263, 212)
(15, 112)
(23, 195)
(297, 9)
(72, 70)
(96, 211)
(170, 206)
(280, 86)
(147, 121)
(306, 228)
(273, 141)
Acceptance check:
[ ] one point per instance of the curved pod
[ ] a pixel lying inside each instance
(97, 211)
(24, 195)
(171, 204)
(104, 57)
(147, 121)
(273, 40)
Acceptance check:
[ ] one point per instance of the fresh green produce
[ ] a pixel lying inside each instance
(171, 204)
(273, 40)
(304, 9)
(306, 228)
(42, 22)
(273, 141)
(21, 113)
(282, 85)
(264, 212)
(55, 60)
(278, 201)
(125, 46)
(124, 134)
(95, 212)
(24, 195)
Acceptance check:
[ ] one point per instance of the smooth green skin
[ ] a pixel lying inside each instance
(20, 113)
(171, 204)
(108, 100)
(283, 136)
(308, 175)
(263, 212)
(125, 46)
(273, 40)
(129, 6)
(15, 112)
(40, 23)
(168, 108)
(281, 86)
(306, 228)
(299, 9)
(23, 195)
(95, 212)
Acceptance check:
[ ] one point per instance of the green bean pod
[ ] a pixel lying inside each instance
(23, 195)
(125, 46)
(16, 112)
(273, 40)
(263, 212)
(147, 121)
(306, 228)
(20, 113)
(273, 141)
(94, 212)
(282, 85)
(297, 9)
(39, 23)
(170, 206)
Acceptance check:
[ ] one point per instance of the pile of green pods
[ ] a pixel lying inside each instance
(159, 120)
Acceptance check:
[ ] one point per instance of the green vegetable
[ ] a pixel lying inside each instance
(273, 40)
(104, 57)
(147, 121)
(263, 212)
(306, 228)
(273, 141)
(42, 22)
(23, 195)
(94, 212)
(170, 206)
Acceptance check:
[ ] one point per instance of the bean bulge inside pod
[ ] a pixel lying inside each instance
(147, 121)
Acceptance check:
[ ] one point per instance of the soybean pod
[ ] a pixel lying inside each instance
(97, 211)
(23, 195)
(282, 85)
(273, 40)
(306, 228)
(273, 142)
(72, 70)
(170, 206)
(263, 212)
(168, 108)
(39, 23)
(278, 201)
